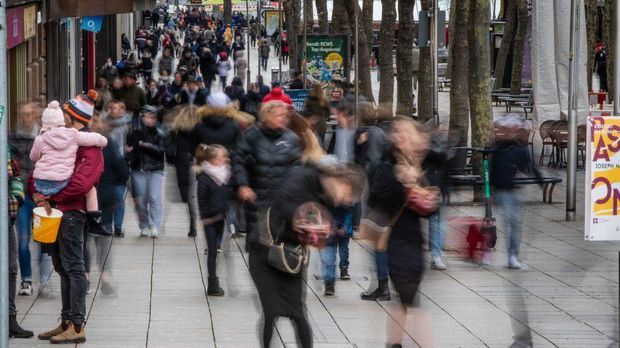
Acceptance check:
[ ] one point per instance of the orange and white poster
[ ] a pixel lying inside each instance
(602, 221)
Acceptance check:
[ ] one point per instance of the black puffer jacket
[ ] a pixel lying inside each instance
(263, 157)
(149, 156)
(217, 127)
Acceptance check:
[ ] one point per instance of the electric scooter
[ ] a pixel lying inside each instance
(483, 235)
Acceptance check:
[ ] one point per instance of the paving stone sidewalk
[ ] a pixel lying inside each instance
(566, 298)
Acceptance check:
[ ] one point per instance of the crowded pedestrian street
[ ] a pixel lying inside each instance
(567, 296)
(310, 173)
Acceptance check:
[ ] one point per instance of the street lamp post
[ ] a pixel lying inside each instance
(617, 60)
(435, 60)
(357, 66)
(279, 54)
(260, 30)
(573, 108)
(303, 53)
(4, 191)
(247, 42)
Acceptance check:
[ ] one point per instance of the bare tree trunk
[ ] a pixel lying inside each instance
(309, 14)
(367, 21)
(519, 47)
(386, 44)
(591, 26)
(340, 18)
(425, 80)
(361, 51)
(459, 93)
(609, 38)
(321, 10)
(228, 11)
(292, 10)
(480, 106)
(500, 71)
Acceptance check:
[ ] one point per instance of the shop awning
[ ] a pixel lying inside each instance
(81, 8)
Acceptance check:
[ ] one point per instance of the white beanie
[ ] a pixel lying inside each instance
(218, 100)
(52, 116)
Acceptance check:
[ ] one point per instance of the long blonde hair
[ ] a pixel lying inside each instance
(312, 150)
(183, 118)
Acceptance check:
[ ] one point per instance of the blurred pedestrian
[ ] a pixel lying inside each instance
(223, 68)
(118, 122)
(215, 195)
(264, 49)
(15, 199)
(241, 66)
(185, 120)
(510, 157)
(145, 152)
(282, 294)
(398, 190)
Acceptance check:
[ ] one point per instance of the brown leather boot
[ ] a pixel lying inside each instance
(73, 334)
(51, 333)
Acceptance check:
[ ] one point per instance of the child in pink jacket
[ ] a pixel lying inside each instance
(54, 152)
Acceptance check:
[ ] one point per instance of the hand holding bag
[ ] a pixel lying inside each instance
(286, 257)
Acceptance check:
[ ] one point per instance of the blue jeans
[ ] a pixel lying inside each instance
(381, 260)
(511, 209)
(263, 62)
(328, 257)
(24, 231)
(49, 187)
(113, 216)
(147, 191)
(436, 234)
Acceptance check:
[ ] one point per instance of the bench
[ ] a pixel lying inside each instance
(476, 180)
(442, 83)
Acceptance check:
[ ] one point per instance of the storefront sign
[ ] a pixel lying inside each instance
(92, 23)
(272, 21)
(30, 22)
(299, 97)
(327, 56)
(14, 26)
(602, 222)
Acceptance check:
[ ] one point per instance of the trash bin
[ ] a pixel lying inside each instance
(275, 74)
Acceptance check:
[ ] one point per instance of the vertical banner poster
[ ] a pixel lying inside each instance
(272, 21)
(327, 57)
(602, 221)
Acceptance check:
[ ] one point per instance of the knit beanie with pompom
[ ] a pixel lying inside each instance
(82, 107)
(52, 116)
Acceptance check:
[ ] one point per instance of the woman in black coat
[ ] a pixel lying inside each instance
(398, 189)
(281, 294)
(262, 158)
(185, 119)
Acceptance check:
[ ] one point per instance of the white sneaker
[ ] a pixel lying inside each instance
(438, 264)
(486, 258)
(513, 262)
(144, 232)
(26, 288)
(154, 232)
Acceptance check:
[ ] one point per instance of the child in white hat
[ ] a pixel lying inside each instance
(54, 150)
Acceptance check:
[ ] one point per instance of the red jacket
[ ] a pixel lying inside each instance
(88, 169)
(277, 94)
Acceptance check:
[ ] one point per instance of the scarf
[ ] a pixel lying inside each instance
(219, 174)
